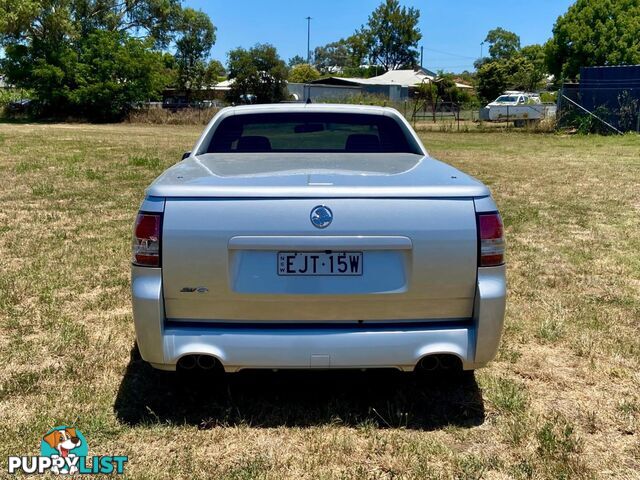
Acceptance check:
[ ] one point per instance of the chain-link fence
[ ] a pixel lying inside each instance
(442, 115)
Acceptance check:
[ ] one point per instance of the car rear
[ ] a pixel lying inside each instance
(311, 262)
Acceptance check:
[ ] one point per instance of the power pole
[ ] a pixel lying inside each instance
(421, 54)
(309, 40)
(481, 45)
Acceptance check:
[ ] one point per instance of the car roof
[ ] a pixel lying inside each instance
(310, 107)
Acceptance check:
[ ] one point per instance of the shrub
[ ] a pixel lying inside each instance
(303, 73)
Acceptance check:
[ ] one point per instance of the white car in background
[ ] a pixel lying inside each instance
(520, 107)
(512, 98)
(316, 236)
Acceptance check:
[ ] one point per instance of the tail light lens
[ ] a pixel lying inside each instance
(146, 240)
(491, 239)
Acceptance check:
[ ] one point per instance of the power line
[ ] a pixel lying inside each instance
(450, 54)
(437, 66)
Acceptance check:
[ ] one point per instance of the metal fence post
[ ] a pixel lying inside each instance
(559, 101)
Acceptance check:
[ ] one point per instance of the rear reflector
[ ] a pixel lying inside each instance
(146, 240)
(491, 239)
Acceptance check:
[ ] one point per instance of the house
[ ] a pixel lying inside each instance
(397, 85)
(223, 86)
(208, 95)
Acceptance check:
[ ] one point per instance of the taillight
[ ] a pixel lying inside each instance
(491, 238)
(146, 240)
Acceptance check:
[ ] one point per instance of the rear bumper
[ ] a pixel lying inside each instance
(277, 347)
(286, 346)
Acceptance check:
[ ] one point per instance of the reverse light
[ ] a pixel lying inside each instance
(491, 239)
(145, 246)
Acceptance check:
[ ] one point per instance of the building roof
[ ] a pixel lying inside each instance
(405, 78)
(224, 85)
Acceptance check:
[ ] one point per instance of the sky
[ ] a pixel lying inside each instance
(452, 30)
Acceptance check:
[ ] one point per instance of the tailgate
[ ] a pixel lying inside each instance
(220, 259)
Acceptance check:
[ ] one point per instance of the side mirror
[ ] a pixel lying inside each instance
(185, 155)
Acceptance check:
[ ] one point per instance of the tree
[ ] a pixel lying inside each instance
(30, 21)
(492, 80)
(535, 54)
(332, 56)
(525, 73)
(303, 73)
(214, 72)
(392, 35)
(197, 36)
(346, 53)
(169, 68)
(296, 60)
(509, 66)
(358, 49)
(432, 93)
(114, 72)
(517, 73)
(57, 48)
(258, 71)
(467, 77)
(503, 44)
(594, 32)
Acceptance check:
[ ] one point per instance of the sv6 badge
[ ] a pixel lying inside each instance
(194, 290)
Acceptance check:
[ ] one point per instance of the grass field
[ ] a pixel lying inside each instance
(562, 400)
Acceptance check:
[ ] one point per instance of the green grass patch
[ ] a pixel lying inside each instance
(506, 395)
(152, 163)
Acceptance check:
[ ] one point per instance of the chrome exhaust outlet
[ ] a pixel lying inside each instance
(448, 362)
(429, 363)
(187, 362)
(206, 362)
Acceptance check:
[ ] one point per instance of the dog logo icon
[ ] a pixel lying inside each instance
(64, 450)
(64, 443)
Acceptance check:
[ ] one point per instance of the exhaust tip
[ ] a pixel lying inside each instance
(187, 362)
(429, 363)
(199, 363)
(450, 362)
(207, 362)
(439, 363)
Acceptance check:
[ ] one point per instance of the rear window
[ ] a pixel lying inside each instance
(309, 132)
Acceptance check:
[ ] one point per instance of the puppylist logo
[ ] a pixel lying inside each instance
(64, 450)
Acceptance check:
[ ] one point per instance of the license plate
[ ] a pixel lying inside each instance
(320, 263)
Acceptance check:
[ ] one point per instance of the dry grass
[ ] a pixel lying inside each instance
(449, 124)
(164, 116)
(561, 401)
